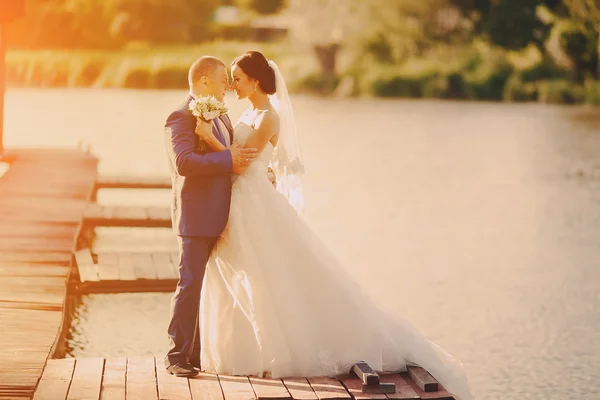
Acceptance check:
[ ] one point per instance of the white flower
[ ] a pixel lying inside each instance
(207, 108)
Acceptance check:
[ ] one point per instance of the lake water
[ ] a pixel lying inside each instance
(479, 222)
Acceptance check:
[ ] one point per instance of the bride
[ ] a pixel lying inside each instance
(275, 301)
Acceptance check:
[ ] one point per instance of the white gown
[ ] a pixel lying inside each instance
(276, 302)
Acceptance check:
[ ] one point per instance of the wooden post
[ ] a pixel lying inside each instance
(9, 11)
(2, 82)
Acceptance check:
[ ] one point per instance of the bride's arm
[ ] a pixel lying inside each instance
(205, 131)
(266, 126)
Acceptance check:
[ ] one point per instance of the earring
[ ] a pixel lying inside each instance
(255, 88)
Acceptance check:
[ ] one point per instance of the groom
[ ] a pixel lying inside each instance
(200, 208)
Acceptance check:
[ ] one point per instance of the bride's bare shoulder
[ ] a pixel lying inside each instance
(269, 117)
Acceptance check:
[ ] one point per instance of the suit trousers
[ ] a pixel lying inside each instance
(183, 331)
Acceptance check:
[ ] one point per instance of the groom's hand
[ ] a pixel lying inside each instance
(242, 157)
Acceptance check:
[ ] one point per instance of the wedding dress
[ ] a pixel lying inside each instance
(276, 302)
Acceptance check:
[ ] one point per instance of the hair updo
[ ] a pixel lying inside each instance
(256, 66)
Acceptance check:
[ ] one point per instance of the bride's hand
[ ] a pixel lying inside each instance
(204, 130)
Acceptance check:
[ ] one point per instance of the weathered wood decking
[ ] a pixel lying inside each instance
(127, 216)
(132, 182)
(43, 196)
(146, 378)
(116, 272)
(44, 203)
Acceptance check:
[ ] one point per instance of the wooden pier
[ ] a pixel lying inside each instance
(43, 196)
(46, 204)
(146, 378)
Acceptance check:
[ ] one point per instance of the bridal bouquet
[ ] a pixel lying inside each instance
(206, 108)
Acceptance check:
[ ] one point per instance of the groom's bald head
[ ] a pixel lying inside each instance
(204, 66)
(208, 76)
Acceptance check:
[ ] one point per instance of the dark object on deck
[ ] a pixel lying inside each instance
(379, 388)
(366, 373)
(423, 379)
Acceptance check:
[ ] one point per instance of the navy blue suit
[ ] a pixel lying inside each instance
(200, 209)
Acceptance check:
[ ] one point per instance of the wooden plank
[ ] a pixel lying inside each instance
(128, 216)
(108, 266)
(365, 373)
(141, 379)
(130, 213)
(269, 389)
(171, 387)
(94, 211)
(107, 212)
(132, 182)
(137, 286)
(56, 379)
(88, 271)
(328, 388)
(381, 388)
(440, 394)
(423, 379)
(236, 388)
(354, 386)
(87, 379)
(33, 270)
(403, 390)
(299, 389)
(37, 229)
(113, 384)
(126, 270)
(54, 258)
(162, 266)
(159, 213)
(205, 387)
(35, 245)
(143, 266)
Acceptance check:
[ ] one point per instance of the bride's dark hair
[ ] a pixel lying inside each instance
(256, 66)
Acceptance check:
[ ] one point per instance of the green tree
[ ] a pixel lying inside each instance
(62, 24)
(388, 29)
(512, 24)
(163, 20)
(587, 13)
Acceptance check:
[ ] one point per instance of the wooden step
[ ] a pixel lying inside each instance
(121, 272)
(127, 216)
(132, 182)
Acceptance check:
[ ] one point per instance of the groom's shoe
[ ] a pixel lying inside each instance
(182, 370)
(195, 363)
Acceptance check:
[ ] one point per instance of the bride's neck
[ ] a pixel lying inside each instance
(259, 100)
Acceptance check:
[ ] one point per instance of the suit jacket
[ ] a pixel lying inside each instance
(201, 182)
